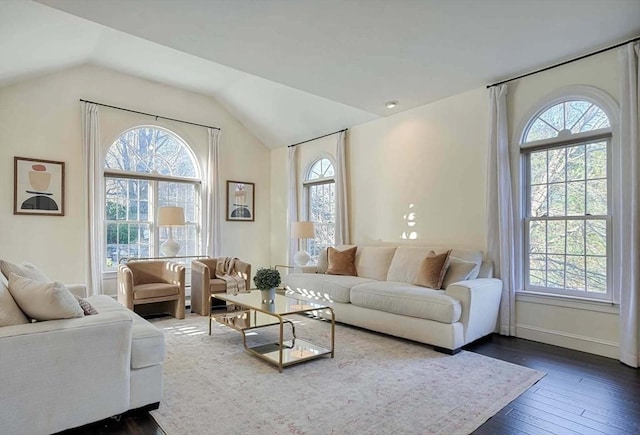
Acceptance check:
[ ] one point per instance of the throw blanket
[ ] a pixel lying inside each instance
(226, 271)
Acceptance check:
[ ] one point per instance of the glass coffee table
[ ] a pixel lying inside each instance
(246, 312)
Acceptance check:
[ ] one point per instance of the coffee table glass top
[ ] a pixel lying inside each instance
(282, 305)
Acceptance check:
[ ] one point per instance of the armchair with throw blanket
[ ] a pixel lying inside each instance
(216, 275)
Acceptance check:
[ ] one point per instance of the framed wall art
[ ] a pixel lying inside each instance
(38, 187)
(241, 201)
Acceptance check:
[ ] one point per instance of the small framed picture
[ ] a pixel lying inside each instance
(38, 187)
(241, 201)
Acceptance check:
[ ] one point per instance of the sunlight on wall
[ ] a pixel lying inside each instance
(410, 219)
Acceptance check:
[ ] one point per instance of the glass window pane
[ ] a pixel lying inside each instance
(539, 200)
(593, 119)
(575, 237)
(538, 162)
(597, 197)
(540, 130)
(554, 116)
(575, 198)
(537, 270)
(538, 237)
(574, 111)
(597, 274)
(556, 237)
(557, 165)
(555, 271)
(557, 199)
(575, 267)
(597, 160)
(576, 163)
(596, 237)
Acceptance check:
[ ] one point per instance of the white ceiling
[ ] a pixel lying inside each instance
(291, 70)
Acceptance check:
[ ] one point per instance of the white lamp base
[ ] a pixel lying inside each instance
(170, 248)
(301, 258)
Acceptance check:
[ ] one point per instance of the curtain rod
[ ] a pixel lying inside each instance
(319, 137)
(637, 38)
(149, 114)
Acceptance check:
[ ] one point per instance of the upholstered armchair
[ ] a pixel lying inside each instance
(152, 281)
(204, 282)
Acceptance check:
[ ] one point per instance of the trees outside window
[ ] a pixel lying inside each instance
(567, 223)
(320, 196)
(147, 168)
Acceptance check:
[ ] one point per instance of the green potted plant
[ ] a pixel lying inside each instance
(267, 279)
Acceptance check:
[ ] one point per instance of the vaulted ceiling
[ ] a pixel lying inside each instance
(292, 70)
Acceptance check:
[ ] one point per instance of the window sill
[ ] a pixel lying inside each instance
(584, 304)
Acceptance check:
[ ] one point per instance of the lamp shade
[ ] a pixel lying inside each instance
(302, 230)
(168, 216)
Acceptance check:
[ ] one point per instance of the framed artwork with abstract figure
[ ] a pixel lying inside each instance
(240, 201)
(38, 187)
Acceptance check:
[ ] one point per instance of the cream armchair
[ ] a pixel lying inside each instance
(204, 282)
(152, 281)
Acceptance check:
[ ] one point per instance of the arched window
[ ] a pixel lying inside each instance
(566, 149)
(320, 196)
(147, 168)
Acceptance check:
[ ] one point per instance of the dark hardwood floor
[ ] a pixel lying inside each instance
(581, 394)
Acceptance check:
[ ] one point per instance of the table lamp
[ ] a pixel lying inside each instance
(169, 217)
(302, 230)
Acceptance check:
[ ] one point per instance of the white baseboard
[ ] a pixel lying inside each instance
(570, 341)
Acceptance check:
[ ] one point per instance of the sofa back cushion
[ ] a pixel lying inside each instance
(25, 270)
(373, 261)
(405, 262)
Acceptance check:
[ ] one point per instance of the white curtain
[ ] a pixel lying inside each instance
(293, 201)
(342, 212)
(629, 254)
(212, 195)
(93, 193)
(501, 235)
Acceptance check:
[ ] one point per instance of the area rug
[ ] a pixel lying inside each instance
(376, 384)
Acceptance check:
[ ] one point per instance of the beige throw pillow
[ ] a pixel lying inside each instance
(25, 270)
(432, 270)
(10, 313)
(43, 300)
(458, 270)
(342, 262)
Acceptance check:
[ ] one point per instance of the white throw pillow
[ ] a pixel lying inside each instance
(459, 271)
(10, 313)
(43, 300)
(25, 270)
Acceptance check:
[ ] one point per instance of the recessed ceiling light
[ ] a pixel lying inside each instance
(391, 104)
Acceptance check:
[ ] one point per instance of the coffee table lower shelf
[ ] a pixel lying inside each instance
(294, 351)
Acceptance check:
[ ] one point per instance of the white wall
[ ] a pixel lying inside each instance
(40, 118)
(434, 157)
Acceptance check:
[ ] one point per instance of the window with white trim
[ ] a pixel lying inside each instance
(147, 168)
(320, 195)
(566, 150)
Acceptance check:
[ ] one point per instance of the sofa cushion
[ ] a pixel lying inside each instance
(405, 262)
(25, 270)
(43, 300)
(459, 270)
(432, 270)
(147, 343)
(407, 300)
(217, 285)
(155, 290)
(373, 261)
(341, 262)
(331, 287)
(10, 313)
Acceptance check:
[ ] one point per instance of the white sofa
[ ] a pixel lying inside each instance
(60, 374)
(382, 297)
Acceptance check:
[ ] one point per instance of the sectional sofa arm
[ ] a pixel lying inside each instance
(79, 290)
(244, 269)
(87, 360)
(480, 300)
